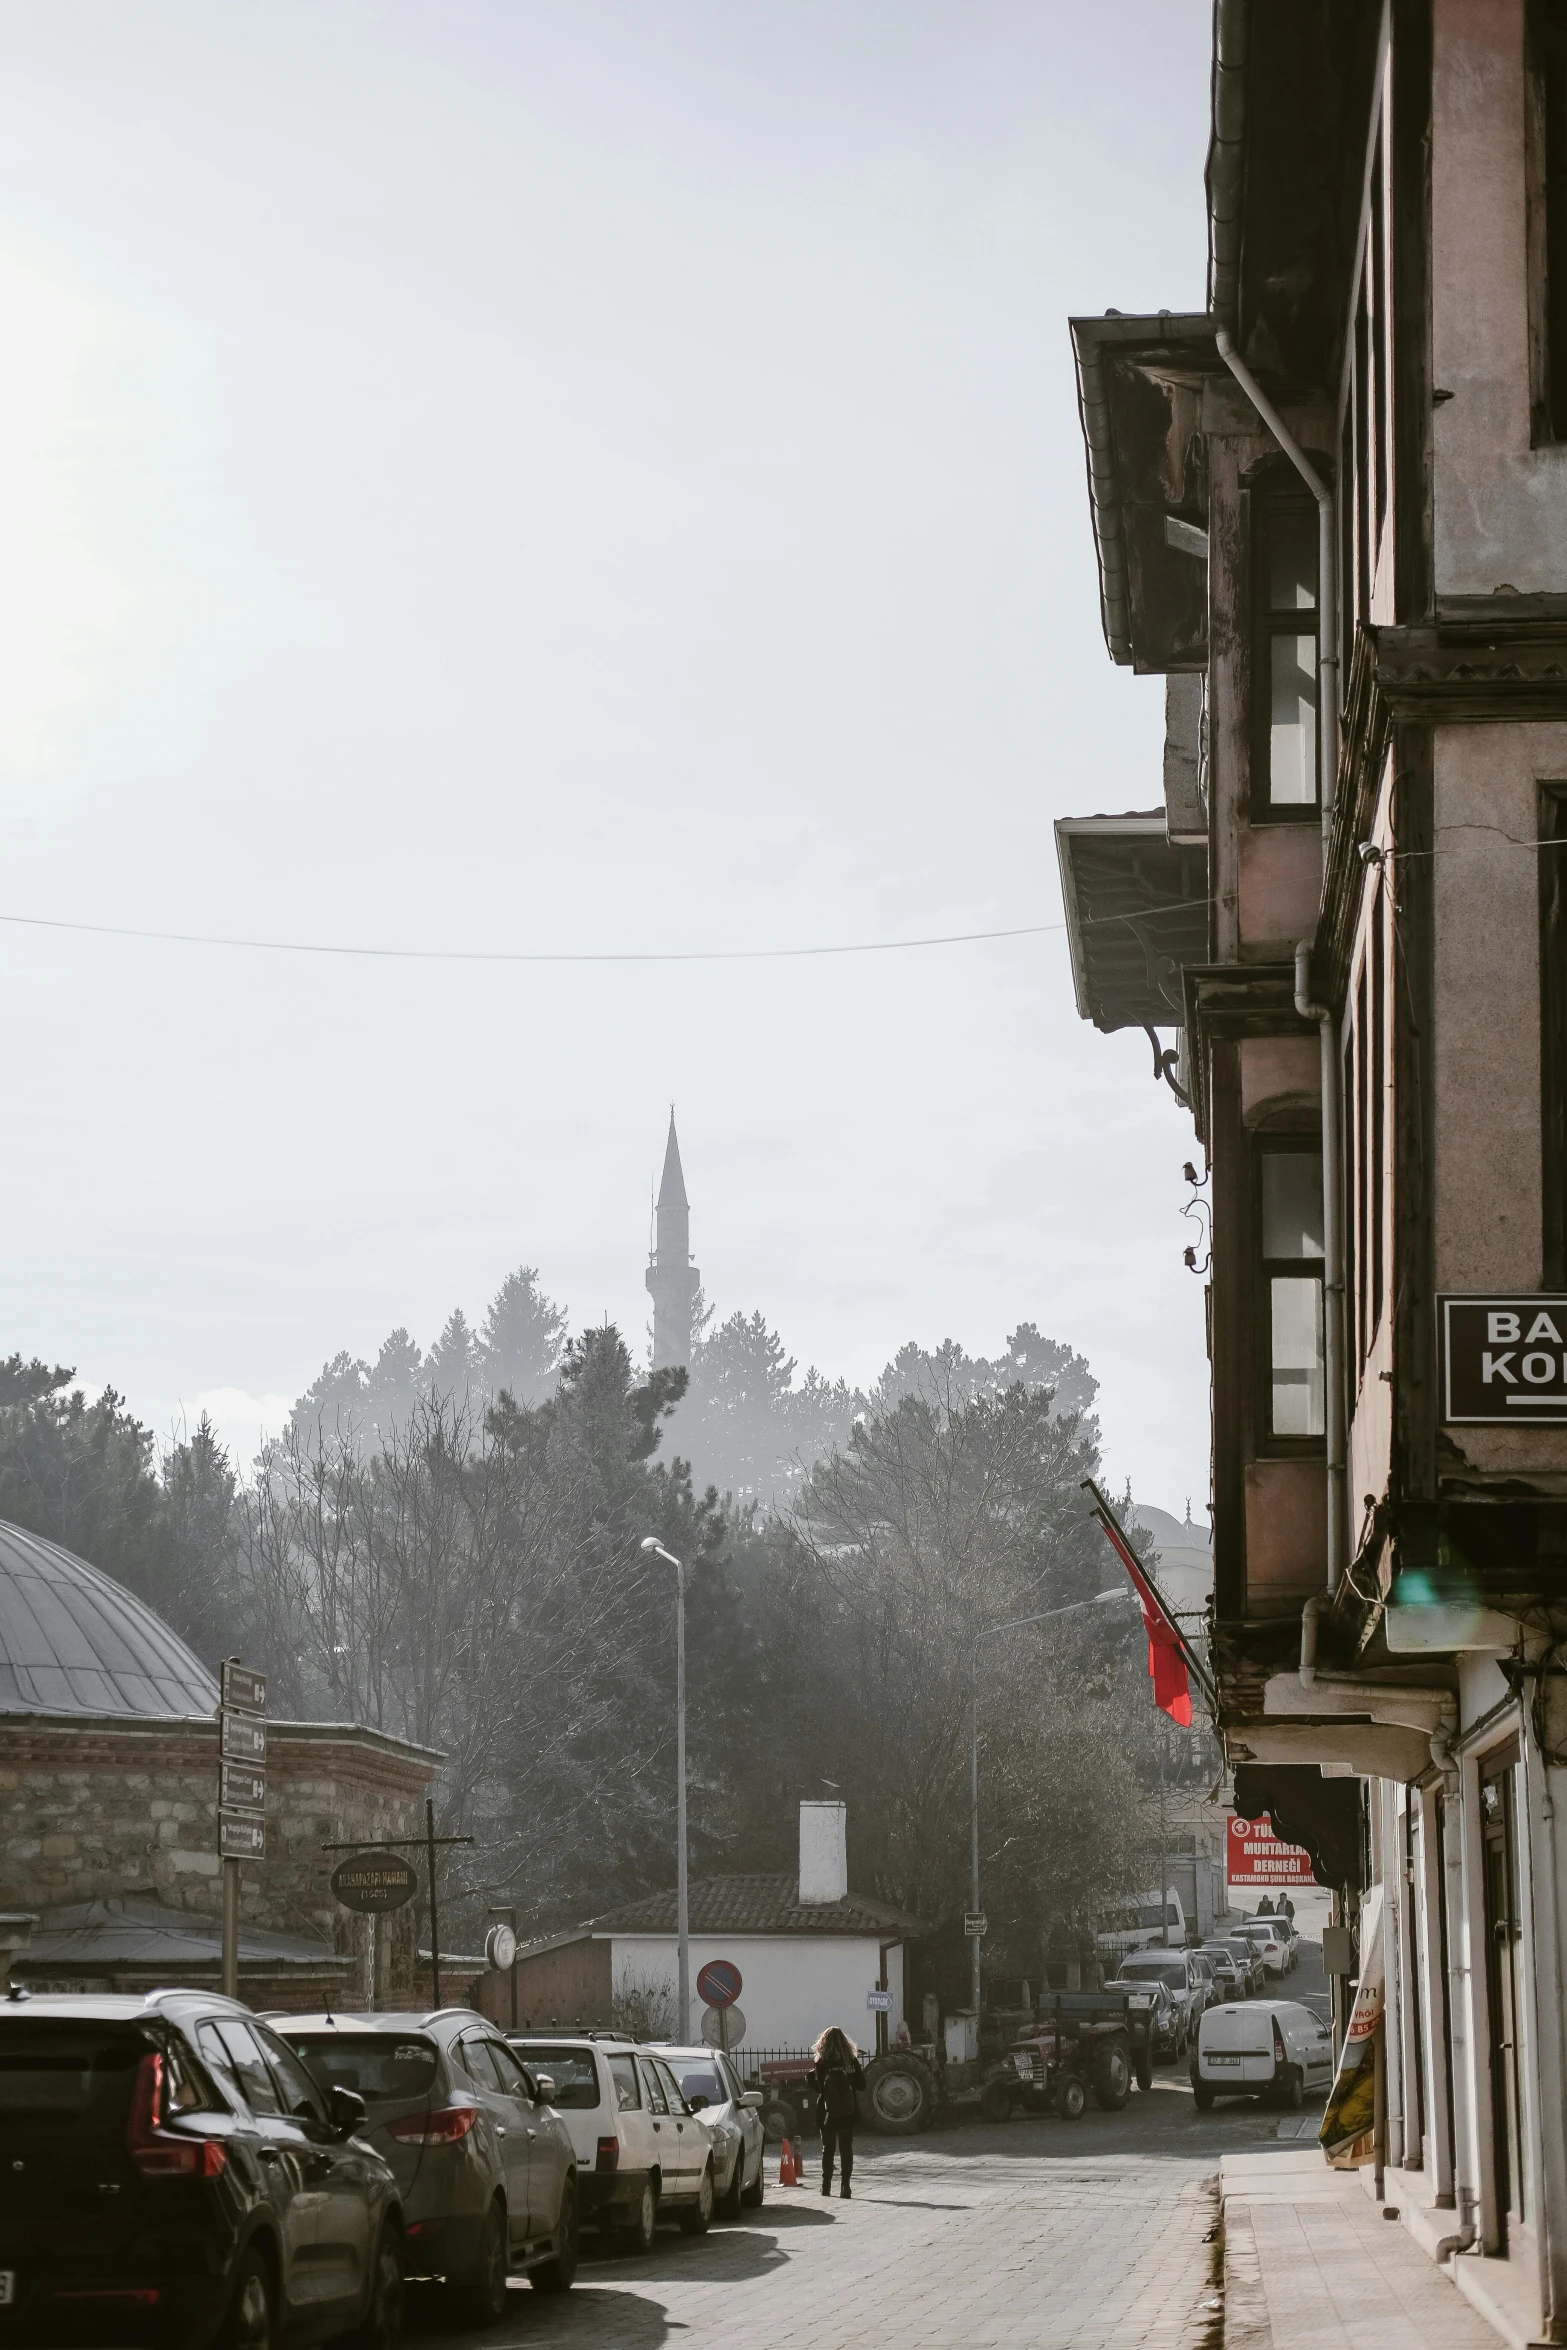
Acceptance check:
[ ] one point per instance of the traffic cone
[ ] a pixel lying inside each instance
(788, 2167)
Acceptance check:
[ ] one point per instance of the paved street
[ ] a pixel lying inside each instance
(1042, 2233)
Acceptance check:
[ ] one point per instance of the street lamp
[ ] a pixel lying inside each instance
(682, 1908)
(1117, 1592)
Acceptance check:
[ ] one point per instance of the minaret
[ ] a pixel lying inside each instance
(672, 1279)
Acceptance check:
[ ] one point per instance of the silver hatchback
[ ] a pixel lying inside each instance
(485, 2168)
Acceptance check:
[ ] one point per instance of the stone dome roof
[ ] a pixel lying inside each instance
(72, 1641)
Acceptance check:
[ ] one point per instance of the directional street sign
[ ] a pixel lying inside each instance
(243, 1739)
(241, 1836)
(975, 1924)
(879, 2002)
(243, 1690)
(242, 1788)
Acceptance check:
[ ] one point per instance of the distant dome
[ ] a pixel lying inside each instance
(74, 1642)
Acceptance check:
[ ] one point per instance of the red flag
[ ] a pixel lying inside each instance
(1172, 1691)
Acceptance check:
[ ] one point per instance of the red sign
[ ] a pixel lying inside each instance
(719, 1983)
(1253, 1855)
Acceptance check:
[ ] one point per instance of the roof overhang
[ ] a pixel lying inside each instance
(1139, 396)
(1136, 914)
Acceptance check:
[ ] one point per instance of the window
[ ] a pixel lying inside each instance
(245, 2066)
(1547, 144)
(377, 2066)
(623, 2080)
(652, 2087)
(1284, 653)
(301, 2093)
(573, 2072)
(1552, 862)
(1291, 1229)
(1377, 1209)
(671, 2086)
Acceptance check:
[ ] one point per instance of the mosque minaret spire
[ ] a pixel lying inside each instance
(672, 1280)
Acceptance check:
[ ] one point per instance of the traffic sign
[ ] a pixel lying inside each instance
(242, 1788)
(241, 1836)
(373, 1882)
(500, 1948)
(723, 2027)
(975, 1924)
(243, 1690)
(719, 1983)
(244, 1740)
(879, 2002)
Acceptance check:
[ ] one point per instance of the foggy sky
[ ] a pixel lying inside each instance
(600, 474)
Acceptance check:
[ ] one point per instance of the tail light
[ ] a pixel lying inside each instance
(159, 2153)
(608, 2156)
(442, 2125)
(1279, 2050)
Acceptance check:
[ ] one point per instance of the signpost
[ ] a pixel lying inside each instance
(723, 2027)
(1253, 1855)
(373, 1882)
(879, 2002)
(1504, 1360)
(242, 1794)
(430, 1844)
(975, 1924)
(719, 1983)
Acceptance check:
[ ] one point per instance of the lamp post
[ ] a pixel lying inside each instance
(1117, 1592)
(682, 1907)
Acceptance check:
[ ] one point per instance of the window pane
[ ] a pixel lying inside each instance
(1292, 722)
(1292, 562)
(1296, 1315)
(1291, 1204)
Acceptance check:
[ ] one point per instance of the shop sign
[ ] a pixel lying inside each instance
(1253, 1855)
(1504, 1360)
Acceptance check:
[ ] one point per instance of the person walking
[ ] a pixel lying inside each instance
(837, 2077)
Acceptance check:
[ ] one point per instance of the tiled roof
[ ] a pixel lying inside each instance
(74, 1642)
(756, 1905)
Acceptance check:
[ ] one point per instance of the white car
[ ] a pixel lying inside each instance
(1273, 1941)
(1268, 2047)
(734, 2115)
(642, 2154)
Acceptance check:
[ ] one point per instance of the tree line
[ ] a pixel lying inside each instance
(454, 1555)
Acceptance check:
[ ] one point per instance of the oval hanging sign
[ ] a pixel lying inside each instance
(371, 1882)
(719, 1983)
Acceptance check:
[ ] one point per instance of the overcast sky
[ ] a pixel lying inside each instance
(563, 475)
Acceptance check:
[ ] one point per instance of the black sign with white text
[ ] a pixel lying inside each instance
(1504, 1360)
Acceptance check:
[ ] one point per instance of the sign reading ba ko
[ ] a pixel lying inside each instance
(1255, 1856)
(1504, 1360)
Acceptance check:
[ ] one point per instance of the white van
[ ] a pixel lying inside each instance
(1148, 1918)
(1269, 2047)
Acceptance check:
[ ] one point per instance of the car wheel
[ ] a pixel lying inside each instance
(728, 2204)
(559, 2275)
(1071, 2098)
(1292, 2090)
(752, 2196)
(249, 2321)
(901, 2093)
(697, 2217)
(1112, 2078)
(637, 2234)
(382, 2325)
(1202, 2095)
(480, 2292)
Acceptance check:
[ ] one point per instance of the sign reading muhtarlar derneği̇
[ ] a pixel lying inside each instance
(1504, 1360)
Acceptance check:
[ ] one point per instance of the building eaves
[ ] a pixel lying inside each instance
(755, 1905)
(1136, 913)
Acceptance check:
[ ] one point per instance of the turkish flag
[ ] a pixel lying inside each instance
(1172, 1689)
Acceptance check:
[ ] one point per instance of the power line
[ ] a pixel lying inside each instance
(291, 946)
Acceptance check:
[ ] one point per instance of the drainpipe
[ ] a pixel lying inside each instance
(1322, 1014)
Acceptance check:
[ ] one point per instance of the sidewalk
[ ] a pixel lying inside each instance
(1312, 2263)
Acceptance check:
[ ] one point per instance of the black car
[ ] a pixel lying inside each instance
(171, 2173)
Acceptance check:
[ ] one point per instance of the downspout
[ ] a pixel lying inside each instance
(1322, 1014)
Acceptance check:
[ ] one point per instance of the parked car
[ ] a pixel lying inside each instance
(650, 2155)
(485, 2171)
(1143, 1922)
(1177, 2003)
(1232, 1974)
(1249, 1958)
(174, 2174)
(733, 2113)
(1271, 1939)
(1266, 2048)
(1207, 1980)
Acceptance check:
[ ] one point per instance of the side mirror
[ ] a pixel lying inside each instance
(752, 2101)
(696, 2103)
(347, 2110)
(544, 2088)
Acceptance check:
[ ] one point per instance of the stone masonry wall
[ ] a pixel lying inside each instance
(95, 1810)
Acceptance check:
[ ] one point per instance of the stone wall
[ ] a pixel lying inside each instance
(96, 1809)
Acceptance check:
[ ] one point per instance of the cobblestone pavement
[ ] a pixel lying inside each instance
(1087, 2236)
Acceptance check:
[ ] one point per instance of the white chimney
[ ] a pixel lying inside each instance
(824, 1852)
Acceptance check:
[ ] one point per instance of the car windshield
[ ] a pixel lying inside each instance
(700, 2080)
(1156, 1970)
(1220, 1959)
(67, 2071)
(384, 2068)
(573, 2072)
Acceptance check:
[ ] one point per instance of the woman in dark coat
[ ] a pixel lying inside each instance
(837, 2078)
